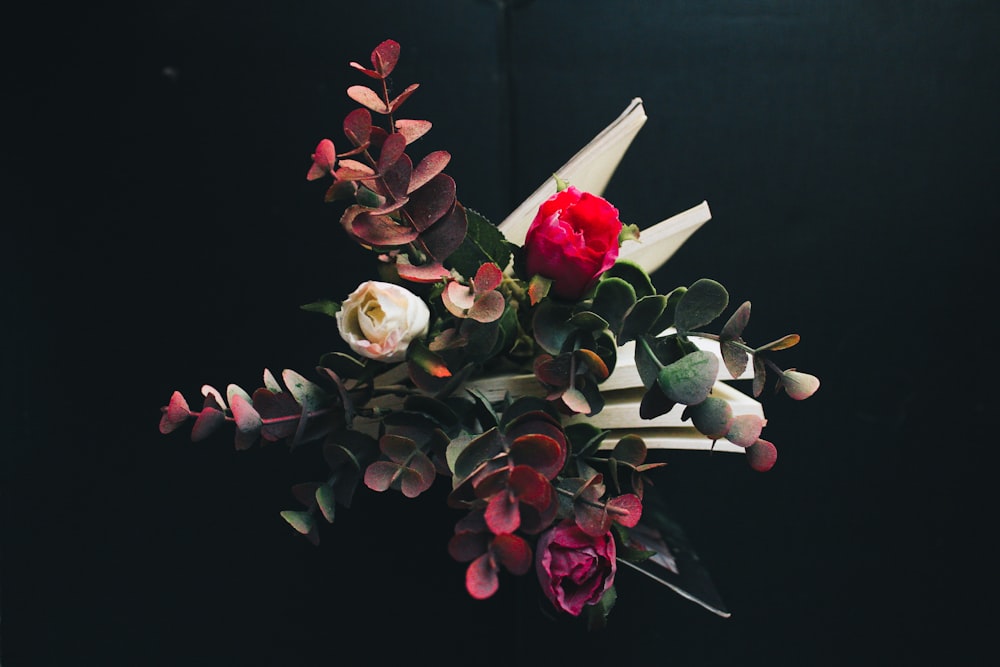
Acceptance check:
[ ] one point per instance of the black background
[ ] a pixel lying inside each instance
(160, 234)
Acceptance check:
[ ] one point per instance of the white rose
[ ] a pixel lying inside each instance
(378, 320)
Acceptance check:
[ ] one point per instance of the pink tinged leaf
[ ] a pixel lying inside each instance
(213, 397)
(488, 308)
(380, 475)
(737, 322)
(397, 102)
(418, 477)
(279, 413)
(488, 277)
(465, 547)
(247, 419)
(358, 127)
(745, 430)
(759, 375)
(381, 230)
(502, 513)
(625, 509)
(513, 552)
(424, 273)
(592, 520)
(367, 97)
(207, 422)
(799, 386)
(392, 149)
(352, 170)
(762, 455)
(413, 129)
(326, 500)
(431, 202)
(429, 167)
(575, 400)
(734, 357)
(481, 578)
(324, 158)
(458, 298)
(712, 417)
(175, 414)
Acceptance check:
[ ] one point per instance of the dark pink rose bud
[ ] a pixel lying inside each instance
(574, 568)
(572, 241)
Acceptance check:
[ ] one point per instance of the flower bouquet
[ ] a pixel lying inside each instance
(530, 365)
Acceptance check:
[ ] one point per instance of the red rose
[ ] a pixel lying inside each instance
(572, 240)
(574, 568)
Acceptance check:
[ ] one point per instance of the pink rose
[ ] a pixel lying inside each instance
(572, 241)
(574, 568)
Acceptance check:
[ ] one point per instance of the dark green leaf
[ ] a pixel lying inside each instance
(483, 243)
(612, 299)
(326, 307)
(326, 502)
(704, 301)
(641, 317)
(633, 274)
(551, 327)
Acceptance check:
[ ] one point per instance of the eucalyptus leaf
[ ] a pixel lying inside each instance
(689, 380)
(612, 299)
(633, 274)
(483, 243)
(640, 318)
(704, 301)
(325, 307)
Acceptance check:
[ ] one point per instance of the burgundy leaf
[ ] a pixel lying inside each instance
(513, 552)
(305, 493)
(447, 234)
(358, 127)
(395, 179)
(540, 452)
(467, 546)
(488, 308)
(207, 422)
(392, 149)
(279, 412)
(488, 277)
(429, 203)
(592, 520)
(530, 487)
(385, 56)
(175, 414)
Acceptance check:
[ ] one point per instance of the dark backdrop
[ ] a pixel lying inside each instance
(160, 234)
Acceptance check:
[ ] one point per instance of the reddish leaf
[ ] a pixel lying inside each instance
(488, 277)
(418, 477)
(592, 520)
(625, 509)
(513, 552)
(175, 414)
(352, 170)
(367, 97)
(429, 167)
(530, 487)
(502, 513)
(324, 159)
(736, 323)
(247, 419)
(276, 410)
(734, 357)
(395, 179)
(380, 475)
(305, 493)
(447, 234)
(541, 452)
(481, 579)
(782, 343)
(385, 56)
(402, 97)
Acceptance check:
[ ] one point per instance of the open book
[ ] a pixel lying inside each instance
(590, 169)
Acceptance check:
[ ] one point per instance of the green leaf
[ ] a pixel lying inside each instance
(326, 307)
(307, 394)
(633, 274)
(666, 319)
(550, 325)
(584, 438)
(326, 502)
(612, 299)
(483, 243)
(301, 521)
(703, 302)
(641, 317)
(689, 380)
